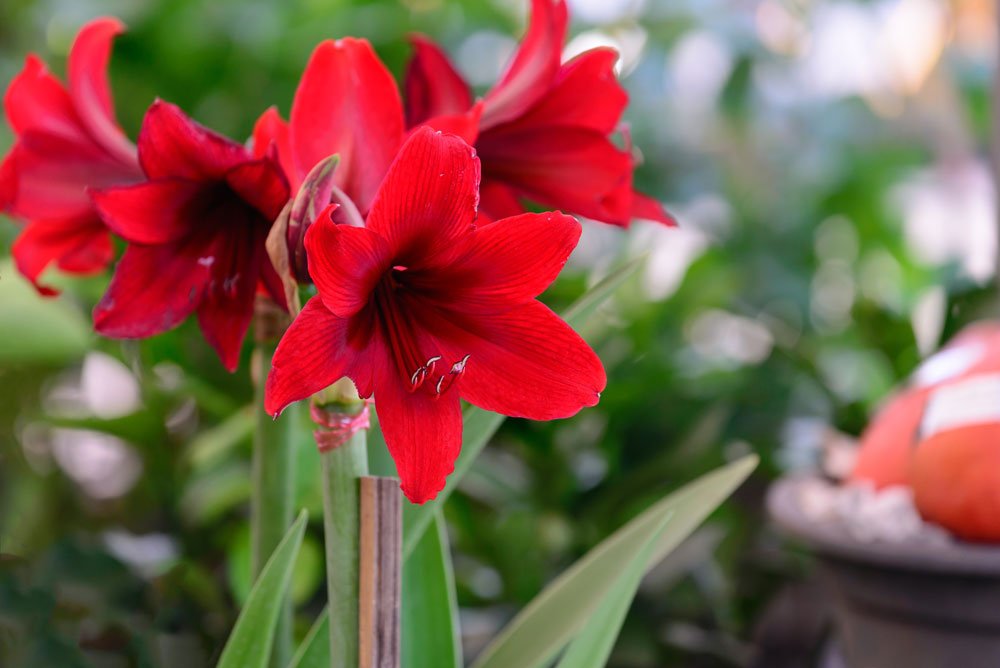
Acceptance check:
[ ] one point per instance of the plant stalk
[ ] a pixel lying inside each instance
(343, 466)
(273, 482)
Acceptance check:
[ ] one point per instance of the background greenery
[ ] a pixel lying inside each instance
(827, 161)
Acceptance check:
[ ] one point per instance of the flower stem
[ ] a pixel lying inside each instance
(342, 467)
(273, 490)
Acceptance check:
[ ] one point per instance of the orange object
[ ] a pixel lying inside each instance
(956, 481)
(888, 442)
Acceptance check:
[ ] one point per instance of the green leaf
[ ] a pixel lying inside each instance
(314, 652)
(37, 330)
(249, 645)
(478, 426)
(543, 628)
(593, 644)
(430, 608)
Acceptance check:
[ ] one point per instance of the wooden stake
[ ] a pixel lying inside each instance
(380, 572)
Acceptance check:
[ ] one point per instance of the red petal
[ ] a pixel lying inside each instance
(506, 263)
(152, 213)
(533, 68)
(345, 264)
(260, 184)
(271, 133)
(572, 169)
(497, 201)
(78, 245)
(225, 312)
(172, 145)
(8, 182)
(347, 103)
(433, 87)
(53, 174)
(423, 432)
(523, 362)
(90, 91)
(36, 100)
(645, 207)
(591, 77)
(154, 288)
(312, 355)
(428, 198)
(465, 125)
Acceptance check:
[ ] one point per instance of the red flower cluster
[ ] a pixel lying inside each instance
(419, 303)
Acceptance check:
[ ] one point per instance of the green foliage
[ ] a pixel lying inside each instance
(249, 645)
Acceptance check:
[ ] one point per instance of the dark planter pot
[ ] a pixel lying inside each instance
(899, 605)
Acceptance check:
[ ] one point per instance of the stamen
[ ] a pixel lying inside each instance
(447, 380)
(420, 375)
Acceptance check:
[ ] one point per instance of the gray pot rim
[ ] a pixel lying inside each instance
(832, 540)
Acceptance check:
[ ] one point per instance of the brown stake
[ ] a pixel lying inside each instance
(380, 572)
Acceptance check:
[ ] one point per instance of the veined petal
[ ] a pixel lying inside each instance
(345, 263)
(423, 432)
(152, 213)
(80, 245)
(645, 207)
(506, 263)
(312, 355)
(347, 104)
(154, 288)
(226, 309)
(433, 87)
(91, 92)
(260, 184)
(465, 125)
(428, 198)
(591, 77)
(173, 145)
(573, 169)
(271, 134)
(497, 200)
(533, 67)
(523, 362)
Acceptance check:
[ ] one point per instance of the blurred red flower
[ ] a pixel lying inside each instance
(421, 308)
(196, 233)
(67, 140)
(544, 129)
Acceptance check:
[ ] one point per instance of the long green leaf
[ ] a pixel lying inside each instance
(430, 609)
(314, 652)
(593, 644)
(250, 643)
(478, 426)
(543, 628)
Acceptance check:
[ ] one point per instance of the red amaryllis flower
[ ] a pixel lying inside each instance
(346, 104)
(196, 234)
(67, 140)
(421, 308)
(544, 130)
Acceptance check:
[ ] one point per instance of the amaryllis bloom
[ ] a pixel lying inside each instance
(346, 104)
(67, 140)
(196, 234)
(545, 128)
(422, 308)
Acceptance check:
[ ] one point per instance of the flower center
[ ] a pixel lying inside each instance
(408, 345)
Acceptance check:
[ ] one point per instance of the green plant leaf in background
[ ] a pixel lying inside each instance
(593, 644)
(550, 621)
(249, 645)
(34, 330)
(430, 628)
(314, 652)
(478, 426)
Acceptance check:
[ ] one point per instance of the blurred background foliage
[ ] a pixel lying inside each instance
(828, 163)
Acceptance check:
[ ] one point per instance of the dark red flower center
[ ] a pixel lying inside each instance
(416, 355)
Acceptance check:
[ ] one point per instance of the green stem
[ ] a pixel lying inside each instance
(272, 499)
(342, 467)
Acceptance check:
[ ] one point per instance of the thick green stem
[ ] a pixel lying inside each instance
(272, 497)
(342, 467)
